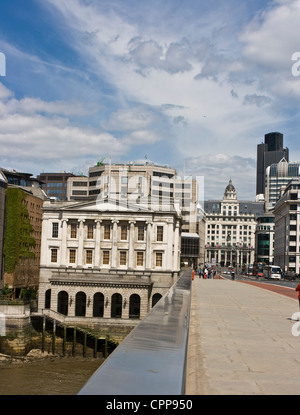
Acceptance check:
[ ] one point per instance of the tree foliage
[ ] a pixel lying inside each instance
(17, 236)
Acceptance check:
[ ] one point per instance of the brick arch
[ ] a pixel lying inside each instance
(155, 298)
(48, 298)
(80, 304)
(98, 305)
(62, 302)
(134, 306)
(116, 305)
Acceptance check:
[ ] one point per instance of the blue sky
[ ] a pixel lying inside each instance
(187, 83)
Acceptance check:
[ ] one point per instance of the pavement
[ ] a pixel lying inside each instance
(241, 340)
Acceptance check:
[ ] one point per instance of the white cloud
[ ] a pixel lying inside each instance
(36, 131)
(206, 87)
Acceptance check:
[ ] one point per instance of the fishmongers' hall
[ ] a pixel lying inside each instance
(104, 259)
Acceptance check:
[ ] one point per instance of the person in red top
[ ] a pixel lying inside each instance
(298, 289)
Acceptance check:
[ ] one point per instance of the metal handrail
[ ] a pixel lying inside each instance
(152, 358)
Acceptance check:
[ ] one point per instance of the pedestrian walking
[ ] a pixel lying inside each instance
(199, 272)
(232, 274)
(298, 289)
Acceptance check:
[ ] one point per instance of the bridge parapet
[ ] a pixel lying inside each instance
(152, 358)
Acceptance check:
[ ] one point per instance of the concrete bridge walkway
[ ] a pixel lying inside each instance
(241, 341)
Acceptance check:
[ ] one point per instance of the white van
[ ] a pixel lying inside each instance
(272, 272)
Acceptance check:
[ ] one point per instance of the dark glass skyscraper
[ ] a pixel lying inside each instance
(269, 152)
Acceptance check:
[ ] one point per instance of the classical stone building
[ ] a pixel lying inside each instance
(105, 261)
(230, 230)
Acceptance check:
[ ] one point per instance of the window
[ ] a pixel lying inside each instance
(141, 232)
(140, 259)
(158, 259)
(54, 230)
(160, 233)
(105, 257)
(106, 231)
(90, 231)
(73, 230)
(89, 256)
(123, 258)
(72, 256)
(124, 232)
(54, 255)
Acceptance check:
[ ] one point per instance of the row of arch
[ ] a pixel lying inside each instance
(99, 303)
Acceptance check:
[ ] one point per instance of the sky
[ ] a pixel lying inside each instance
(191, 84)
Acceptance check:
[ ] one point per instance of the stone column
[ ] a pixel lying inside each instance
(44, 246)
(149, 245)
(177, 247)
(131, 258)
(80, 243)
(97, 243)
(114, 249)
(169, 253)
(63, 258)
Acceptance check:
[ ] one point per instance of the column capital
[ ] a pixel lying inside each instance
(132, 222)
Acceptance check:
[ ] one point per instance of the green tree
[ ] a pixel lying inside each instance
(17, 236)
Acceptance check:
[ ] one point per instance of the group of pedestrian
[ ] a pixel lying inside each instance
(206, 272)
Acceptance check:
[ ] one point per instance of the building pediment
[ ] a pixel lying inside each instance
(106, 205)
(114, 205)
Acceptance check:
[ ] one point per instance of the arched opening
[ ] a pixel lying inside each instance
(98, 305)
(62, 302)
(116, 306)
(156, 297)
(134, 306)
(48, 298)
(80, 304)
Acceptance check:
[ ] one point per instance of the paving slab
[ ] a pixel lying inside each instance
(241, 341)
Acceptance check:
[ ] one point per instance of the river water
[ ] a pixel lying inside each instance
(52, 375)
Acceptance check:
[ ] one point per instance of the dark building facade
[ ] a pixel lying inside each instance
(55, 184)
(269, 152)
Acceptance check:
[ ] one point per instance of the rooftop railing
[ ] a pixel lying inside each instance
(152, 358)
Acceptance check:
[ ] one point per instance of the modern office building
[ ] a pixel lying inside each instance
(17, 178)
(278, 175)
(269, 152)
(55, 184)
(287, 228)
(264, 238)
(230, 229)
(129, 183)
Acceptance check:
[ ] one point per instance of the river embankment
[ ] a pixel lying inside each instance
(42, 373)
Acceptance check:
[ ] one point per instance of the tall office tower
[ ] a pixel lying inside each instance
(269, 152)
